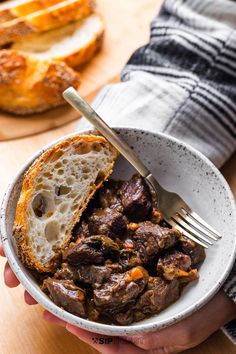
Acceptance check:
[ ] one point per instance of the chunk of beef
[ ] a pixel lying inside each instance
(93, 311)
(129, 259)
(66, 272)
(151, 238)
(83, 253)
(124, 318)
(109, 195)
(96, 275)
(174, 265)
(40, 277)
(175, 259)
(67, 295)
(92, 274)
(136, 199)
(160, 294)
(194, 250)
(108, 222)
(115, 267)
(122, 314)
(91, 250)
(121, 288)
(80, 231)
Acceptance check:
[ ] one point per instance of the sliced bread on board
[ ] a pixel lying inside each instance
(74, 44)
(19, 8)
(45, 20)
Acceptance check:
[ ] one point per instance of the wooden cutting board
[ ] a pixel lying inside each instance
(127, 28)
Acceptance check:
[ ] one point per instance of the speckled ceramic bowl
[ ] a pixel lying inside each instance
(178, 168)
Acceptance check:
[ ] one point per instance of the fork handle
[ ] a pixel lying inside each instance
(75, 100)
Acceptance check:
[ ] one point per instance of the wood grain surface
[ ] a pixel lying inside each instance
(127, 28)
(23, 331)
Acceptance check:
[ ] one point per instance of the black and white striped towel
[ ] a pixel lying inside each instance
(183, 83)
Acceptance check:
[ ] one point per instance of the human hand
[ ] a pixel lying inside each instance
(11, 280)
(186, 334)
(181, 336)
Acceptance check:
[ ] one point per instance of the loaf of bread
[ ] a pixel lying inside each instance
(19, 8)
(74, 44)
(45, 20)
(29, 85)
(44, 39)
(55, 191)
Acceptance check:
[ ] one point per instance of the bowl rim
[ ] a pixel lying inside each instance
(101, 328)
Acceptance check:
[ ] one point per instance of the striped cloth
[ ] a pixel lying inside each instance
(183, 83)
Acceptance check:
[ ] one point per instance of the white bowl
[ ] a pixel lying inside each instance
(179, 168)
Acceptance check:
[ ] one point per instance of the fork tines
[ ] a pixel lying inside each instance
(194, 227)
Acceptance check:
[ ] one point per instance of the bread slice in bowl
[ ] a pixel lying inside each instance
(10, 10)
(45, 20)
(55, 191)
(29, 85)
(74, 44)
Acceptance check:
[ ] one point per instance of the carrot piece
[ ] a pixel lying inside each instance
(136, 273)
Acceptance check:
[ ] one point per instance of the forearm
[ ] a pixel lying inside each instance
(228, 309)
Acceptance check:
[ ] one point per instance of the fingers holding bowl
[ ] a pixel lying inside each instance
(9, 277)
(2, 254)
(48, 316)
(103, 343)
(29, 299)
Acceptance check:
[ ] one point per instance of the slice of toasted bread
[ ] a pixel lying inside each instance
(29, 85)
(45, 20)
(19, 8)
(55, 191)
(74, 44)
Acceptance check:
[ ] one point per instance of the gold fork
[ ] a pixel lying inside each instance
(174, 209)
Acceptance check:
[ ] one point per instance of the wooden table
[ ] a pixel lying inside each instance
(22, 329)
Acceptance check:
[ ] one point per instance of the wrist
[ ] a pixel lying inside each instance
(228, 307)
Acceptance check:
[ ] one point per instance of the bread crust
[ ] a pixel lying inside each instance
(45, 20)
(28, 85)
(14, 9)
(21, 219)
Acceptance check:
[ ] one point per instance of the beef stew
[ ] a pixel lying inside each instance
(124, 262)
